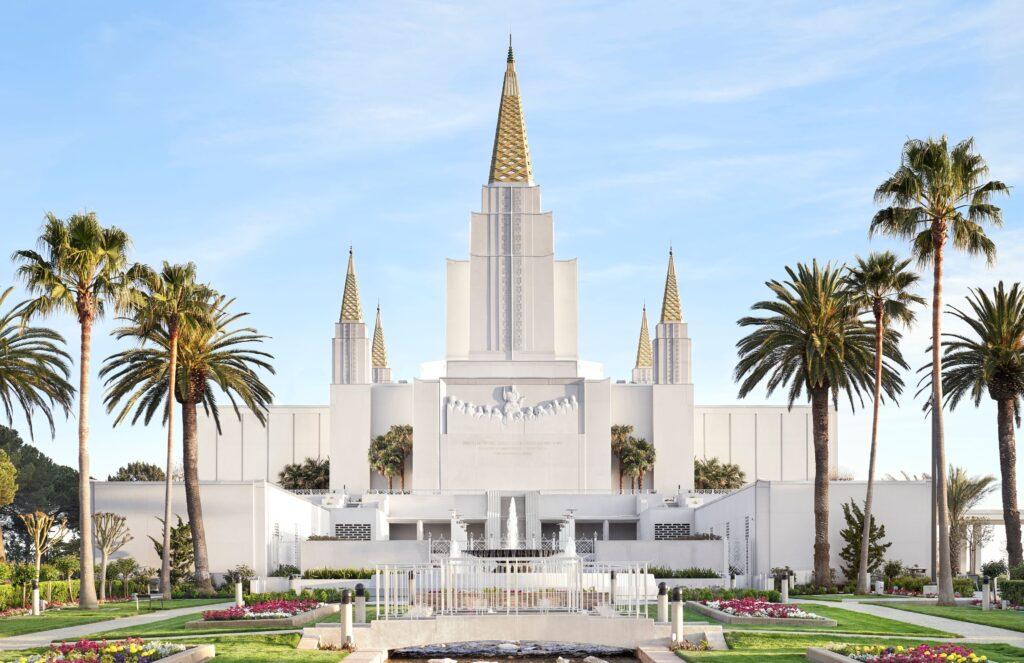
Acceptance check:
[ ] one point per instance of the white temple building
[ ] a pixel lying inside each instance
(513, 421)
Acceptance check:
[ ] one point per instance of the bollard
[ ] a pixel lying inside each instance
(412, 589)
(239, 601)
(677, 616)
(360, 604)
(611, 589)
(35, 597)
(346, 618)
(986, 598)
(785, 591)
(662, 603)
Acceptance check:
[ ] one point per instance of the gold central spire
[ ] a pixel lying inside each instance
(350, 309)
(671, 311)
(644, 358)
(379, 354)
(510, 159)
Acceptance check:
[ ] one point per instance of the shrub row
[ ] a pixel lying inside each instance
(338, 574)
(1012, 591)
(691, 572)
(718, 593)
(322, 595)
(53, 591)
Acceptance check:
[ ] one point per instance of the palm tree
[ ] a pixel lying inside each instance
(881, 284)
(622, 439)
(312, 473)
(79, 269)
(963, 494)
(639, 461)
(385, 458)
(400, 436)
(712, 474)
(33, 368)
(211, 358)
(938, 194)
(813, 339)
(170, 300)
(992, 360)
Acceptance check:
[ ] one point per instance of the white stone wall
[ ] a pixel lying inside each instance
(672, 554)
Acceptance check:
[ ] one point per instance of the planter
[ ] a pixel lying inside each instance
(819, 655)
(726, 618)
(943, 652)
(196, 654)
(282, 622)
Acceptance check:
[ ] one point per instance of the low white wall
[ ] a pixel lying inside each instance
(361, 554)
(672, 554)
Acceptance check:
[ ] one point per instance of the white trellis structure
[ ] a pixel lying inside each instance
(511, 585)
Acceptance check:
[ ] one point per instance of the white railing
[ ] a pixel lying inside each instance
(473, 585)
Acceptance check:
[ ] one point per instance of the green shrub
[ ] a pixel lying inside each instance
(690, 572)
(808, 589)
(909, 583)
(718, 593)
(1012, 591)
(1017, 572)
(995, 569)
(338, 574)
(323, 595)
(285, 570)
(964, 586)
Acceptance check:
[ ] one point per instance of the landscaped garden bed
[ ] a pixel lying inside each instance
(280, 612)
(759, 612)
(123, 651)
(846, 653)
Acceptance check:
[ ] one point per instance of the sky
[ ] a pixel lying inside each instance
(261, 139)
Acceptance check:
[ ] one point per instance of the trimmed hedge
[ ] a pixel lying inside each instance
(54, 591)
(338, 574)
(718, 593)
(690, 572)
(964, 586)
(1012, 591)
(322, 595)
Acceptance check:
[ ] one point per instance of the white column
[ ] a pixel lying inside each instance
(419, 530)
(606, 531)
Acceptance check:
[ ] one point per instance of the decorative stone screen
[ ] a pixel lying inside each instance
(352, 532)
(671, 531)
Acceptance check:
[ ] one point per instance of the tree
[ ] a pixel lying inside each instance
(182, 554)
(8, 489)
(79, 269)
(216, 358)
(311, 474)
(964, 493)
(813, 339)
(123, 568)
(881, 285)
(936, 195)
(385, 458)
(66, 565)
(33, 367)
(622, 439)
(138, 471)
(45, 530)
(169, 300)
(712, 474)
(990, 359)
(853, 548)
(639, 461)
(112, 534)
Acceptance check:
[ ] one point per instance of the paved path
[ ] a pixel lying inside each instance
(70, 633)
(969, 631)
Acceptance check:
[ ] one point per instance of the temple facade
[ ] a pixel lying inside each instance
(512, 419)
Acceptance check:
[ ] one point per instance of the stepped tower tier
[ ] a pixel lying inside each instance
(672, 342)
(643, 371)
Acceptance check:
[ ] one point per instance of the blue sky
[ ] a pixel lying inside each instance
(261, 139)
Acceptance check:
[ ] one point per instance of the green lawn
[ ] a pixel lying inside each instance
(74, 616)
(1008, 619)
(243, 649)
(175, 626)
(778, 648)
(847, 621)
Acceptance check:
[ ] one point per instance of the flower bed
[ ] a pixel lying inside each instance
(944, 653)
(757, 612)
(266, 610)
(132, 650)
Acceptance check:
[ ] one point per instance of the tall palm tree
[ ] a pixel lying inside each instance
(34, 368)
(211, 358)
(79, 269)
(936, 195)
(171, 300)
(622, 440)
(963, 494)
(813, 339)
(881, 284)
(386, 458)
(991, 359)
(400, 437)
(639, 461)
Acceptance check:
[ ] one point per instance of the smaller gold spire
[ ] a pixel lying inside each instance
(644, 356)
(350, 309)
(671, 311)
(379, 354)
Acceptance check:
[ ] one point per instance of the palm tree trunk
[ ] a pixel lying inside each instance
(1008, 471)
(945, 576)
(104, 559)
(819, 418)
(865, 539)
(621, 473)
(190, 452)
(165, 562)
(87, 592)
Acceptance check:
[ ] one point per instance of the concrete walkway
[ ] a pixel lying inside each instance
(72, 633)
(969, 631)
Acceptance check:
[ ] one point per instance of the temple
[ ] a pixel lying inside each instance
(513, 421)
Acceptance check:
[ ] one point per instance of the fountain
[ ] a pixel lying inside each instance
(512, 526)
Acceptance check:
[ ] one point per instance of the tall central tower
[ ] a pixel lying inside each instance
(511, 301)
